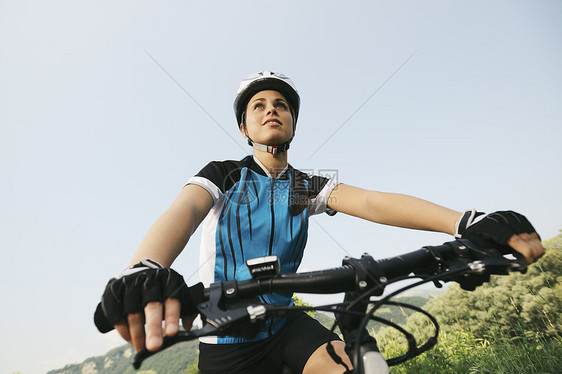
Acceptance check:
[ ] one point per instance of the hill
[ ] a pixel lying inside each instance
(175, 359)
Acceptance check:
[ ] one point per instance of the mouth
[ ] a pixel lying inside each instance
(272, 122)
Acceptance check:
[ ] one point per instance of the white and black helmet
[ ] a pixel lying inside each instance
(265, 80)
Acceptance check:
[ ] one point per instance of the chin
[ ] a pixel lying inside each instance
(275, 141)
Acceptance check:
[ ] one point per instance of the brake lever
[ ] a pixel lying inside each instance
(490, 260)
(181, 336)
(217, 322)
(479, 271)
(497, 265)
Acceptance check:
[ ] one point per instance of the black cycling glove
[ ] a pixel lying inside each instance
(492, 230)
(132, 289)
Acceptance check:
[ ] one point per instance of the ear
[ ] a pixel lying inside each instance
(243, 130)
(294, 121)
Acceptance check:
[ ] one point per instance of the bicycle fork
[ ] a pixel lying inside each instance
(368, 360)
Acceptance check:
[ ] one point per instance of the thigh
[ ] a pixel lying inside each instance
(303, 336)
(322, 362)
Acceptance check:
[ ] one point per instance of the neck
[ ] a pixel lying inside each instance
(274, 163)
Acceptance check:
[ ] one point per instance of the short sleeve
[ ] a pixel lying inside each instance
(216, 177)
(320, 195)
(211, 188)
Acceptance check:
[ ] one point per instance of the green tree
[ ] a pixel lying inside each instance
(300, 302)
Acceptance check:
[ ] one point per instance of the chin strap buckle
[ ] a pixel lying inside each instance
(273, 149)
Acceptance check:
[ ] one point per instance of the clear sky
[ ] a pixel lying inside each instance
(108, 107)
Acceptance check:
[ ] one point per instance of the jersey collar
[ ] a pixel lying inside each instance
(282, 175)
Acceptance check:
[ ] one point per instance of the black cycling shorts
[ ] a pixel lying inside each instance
(291, 346)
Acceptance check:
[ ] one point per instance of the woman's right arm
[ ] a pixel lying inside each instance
(163, 243)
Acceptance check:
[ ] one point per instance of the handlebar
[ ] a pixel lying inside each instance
(459, 261)
(340, 279)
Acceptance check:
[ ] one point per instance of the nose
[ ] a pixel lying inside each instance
(271, 109)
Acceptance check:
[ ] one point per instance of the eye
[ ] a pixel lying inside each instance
(281, 105)
(258, 106)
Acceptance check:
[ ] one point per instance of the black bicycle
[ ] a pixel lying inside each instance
(230, 307)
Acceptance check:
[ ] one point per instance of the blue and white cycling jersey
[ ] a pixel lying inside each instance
(251, 218)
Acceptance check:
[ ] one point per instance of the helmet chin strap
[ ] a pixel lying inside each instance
(273, 149)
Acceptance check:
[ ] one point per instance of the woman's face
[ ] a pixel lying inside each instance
(268, 119)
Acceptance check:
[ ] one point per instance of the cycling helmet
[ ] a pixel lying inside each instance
(266, 80)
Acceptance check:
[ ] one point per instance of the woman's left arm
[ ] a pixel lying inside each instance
(393, 209)
(503, 228)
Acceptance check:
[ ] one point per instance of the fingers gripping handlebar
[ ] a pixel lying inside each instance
(228, 308)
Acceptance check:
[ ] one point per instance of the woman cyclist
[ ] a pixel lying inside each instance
(260, 206)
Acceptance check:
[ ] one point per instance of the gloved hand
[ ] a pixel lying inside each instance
(132, 289)
(505, 231)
